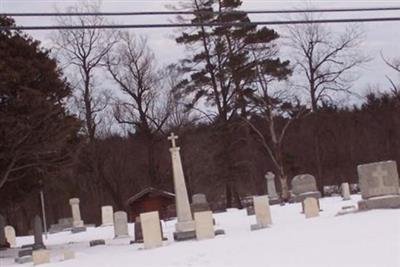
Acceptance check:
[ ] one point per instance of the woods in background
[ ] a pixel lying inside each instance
(102, 137)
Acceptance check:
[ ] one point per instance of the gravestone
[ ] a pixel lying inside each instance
(151, 229)
(262, 211)
(185, 226)
(38, 234)
(68, 254)
(107, 215)
(77, 223)
(3, 240)
(304, 186)
(379, 184)
(311, 207)
(204, 225)
(41, 256)
(121, 224)
(10, 235)
(199, 203)
(345, 191)
(272, 195)
(138, 231)
(97, 242)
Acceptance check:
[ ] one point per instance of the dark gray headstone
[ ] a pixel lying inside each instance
(38, 234)
(138, 231)
(3, 241)
(97, 242)
(25, 252)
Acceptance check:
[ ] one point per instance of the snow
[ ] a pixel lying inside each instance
(367, 239)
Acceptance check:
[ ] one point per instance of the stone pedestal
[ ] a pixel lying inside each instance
(185, 227)
(345, 191)
(76, 213)
(273, 196)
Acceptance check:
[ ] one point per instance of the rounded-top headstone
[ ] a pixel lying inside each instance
(303, 183)
(10, 235)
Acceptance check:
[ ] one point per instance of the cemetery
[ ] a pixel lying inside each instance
(199, 133)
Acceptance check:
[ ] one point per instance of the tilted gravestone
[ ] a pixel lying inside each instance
(204, 225)
(151, 229)
(311, 207)
(121, 224)
(379, 184)
(304, 186)
(10, 235)
(38, 233)
(262, 211)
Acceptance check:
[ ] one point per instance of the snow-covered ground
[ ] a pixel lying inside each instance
(365, 239)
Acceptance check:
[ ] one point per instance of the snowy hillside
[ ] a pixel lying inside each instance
(366, 239)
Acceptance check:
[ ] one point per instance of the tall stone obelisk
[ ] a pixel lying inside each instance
(185, 227)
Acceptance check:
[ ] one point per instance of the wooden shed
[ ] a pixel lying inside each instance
(151, 199)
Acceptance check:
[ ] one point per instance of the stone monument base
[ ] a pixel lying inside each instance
(301, 197)
(255, 227)
(384, 202)
(185, 230)
(182, 236)
(275, 201)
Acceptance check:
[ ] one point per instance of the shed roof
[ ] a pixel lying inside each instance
(147, 191)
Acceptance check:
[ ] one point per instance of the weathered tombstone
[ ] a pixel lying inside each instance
(77, 223)
(121, 224)
(68, 254)
(138, 231)
(199, 203)
(185, 226)
(151, 229)
(272, 195)
(379, 184)
(10, 235)
(311, 207)
(3, 241)
(304, 186)
(250, 210)
(204, 225)
(262, 211)
(345, 191)
(38, 234)
(41, 256)
(107, 215)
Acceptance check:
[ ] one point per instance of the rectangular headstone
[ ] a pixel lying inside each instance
(41, 256)
(311, 207)
(68, 254)
(151, 229)
(204, 225)
(121, 224)
(262, 211)
(345, 191)
(378, 179)
(107, 215)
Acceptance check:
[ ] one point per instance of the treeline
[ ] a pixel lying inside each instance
(231, 99)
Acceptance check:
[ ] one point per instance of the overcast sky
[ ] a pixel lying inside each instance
(382, 36)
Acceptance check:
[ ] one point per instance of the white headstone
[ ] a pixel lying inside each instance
(76, 214)
(107, 213)
(185, 222)
(204, 225)
(151, 229)
(68, 254)
(41, 256)
(262, 211)
(311, 208)
(10, 235)
(345, 191)
(121, 224)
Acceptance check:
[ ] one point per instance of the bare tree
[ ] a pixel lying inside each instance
(326, 59)
(145, 106)
(394, 64)
(83, 50)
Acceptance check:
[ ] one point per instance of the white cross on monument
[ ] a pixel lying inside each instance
(172, 138)
(379, 174)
